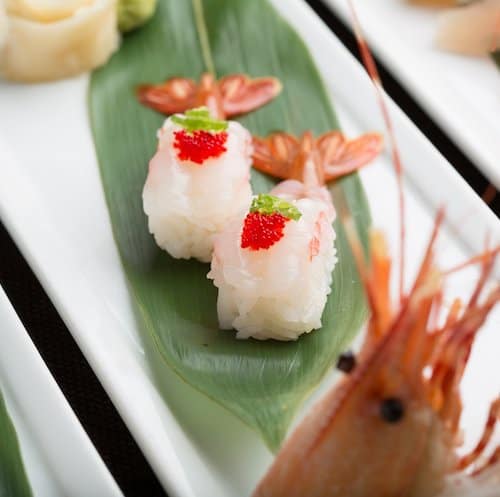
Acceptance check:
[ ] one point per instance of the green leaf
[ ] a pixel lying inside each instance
(199, 119)
(269, 204)
(13, 479)
(263, 383)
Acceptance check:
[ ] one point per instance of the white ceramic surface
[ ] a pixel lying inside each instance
(52, 203)
(460, 93)
(59, 458)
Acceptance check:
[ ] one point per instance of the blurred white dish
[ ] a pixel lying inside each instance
(59, 458)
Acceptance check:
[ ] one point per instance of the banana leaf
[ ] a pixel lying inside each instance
(263, 383)
(13, 479)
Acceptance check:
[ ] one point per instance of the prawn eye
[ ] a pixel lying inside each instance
(346, 362)
(392, 410)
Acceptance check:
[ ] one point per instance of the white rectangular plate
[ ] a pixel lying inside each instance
(460, 93)
(59, 458)
(51, 201)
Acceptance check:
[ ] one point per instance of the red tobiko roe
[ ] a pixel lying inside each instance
(261, 231)
(200, 145)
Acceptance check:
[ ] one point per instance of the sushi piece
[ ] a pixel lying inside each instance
(198, 180)
(273, 263)
(472, 30)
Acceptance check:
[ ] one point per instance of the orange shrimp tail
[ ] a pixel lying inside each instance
(241, 94)
(172, 96)
(330, 156)
(228, 97)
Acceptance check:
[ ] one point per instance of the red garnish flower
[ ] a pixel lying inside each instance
(261, 231)
(198, 146)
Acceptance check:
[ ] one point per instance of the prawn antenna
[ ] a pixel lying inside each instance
(372, 71)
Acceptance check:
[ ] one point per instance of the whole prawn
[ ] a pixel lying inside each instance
(390, 427)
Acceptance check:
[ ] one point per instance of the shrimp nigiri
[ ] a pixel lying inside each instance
(198, 180)
(273, 263)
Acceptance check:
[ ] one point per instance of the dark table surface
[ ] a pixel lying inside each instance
(70, 369)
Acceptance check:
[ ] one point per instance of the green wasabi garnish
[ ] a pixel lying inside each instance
(134, 13)
(269, 204)
(199, 119)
